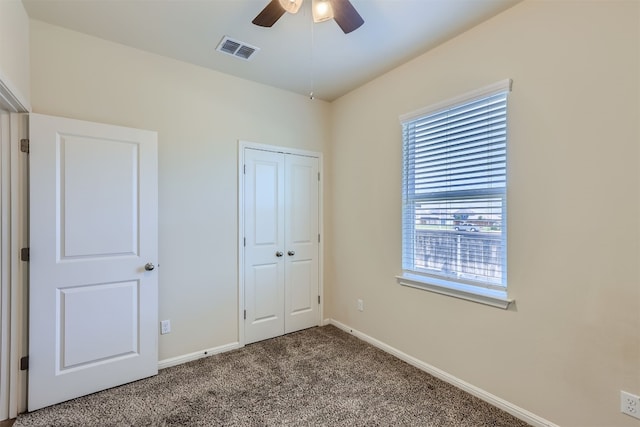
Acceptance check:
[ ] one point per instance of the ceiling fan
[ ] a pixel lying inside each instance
(342, 11)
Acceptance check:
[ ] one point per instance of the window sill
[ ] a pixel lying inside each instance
(490, 297)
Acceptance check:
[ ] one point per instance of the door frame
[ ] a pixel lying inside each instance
(13, 237)
(242, 145)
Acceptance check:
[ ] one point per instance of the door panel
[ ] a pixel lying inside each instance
(267, 295)
(302, 297)
(302, 246)
(267, 182)
(264, 238)
(93, 226)
(82, 308)
(109, 215)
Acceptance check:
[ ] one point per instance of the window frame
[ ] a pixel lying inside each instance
(481, 292)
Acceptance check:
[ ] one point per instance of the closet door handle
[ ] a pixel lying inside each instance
(291, 253)
(279, 254)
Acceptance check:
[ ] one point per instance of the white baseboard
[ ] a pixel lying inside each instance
(178, 360)
(512, 409)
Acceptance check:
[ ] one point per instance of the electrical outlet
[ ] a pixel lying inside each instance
(165, 327)
(630, 404)
(360, 305)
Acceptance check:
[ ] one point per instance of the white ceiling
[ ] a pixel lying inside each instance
(295, 54)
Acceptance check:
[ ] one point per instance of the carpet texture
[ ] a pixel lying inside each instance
(317, 377)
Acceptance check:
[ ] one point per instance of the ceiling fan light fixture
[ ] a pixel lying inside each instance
(291, 6)
(322, 10)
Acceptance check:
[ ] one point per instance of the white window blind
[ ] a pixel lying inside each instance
(454, 190)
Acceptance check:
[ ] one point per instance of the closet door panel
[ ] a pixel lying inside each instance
(264, 241)
(301, 236)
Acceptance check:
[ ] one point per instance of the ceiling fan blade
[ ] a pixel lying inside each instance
(270, 14)
(346, 15)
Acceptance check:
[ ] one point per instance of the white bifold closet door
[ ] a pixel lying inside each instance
(281, 273)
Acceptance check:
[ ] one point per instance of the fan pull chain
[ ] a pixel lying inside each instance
(311, 97)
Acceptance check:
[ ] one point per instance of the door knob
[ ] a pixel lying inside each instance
(149, 266)
(279, 254)
(291, 253)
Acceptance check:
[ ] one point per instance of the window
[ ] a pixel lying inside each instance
(454, 197)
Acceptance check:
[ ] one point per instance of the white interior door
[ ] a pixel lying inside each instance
(264, 245)
(93, 306)
(301, 242)
(281, 248)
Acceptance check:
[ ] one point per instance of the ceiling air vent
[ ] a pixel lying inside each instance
(236, 48)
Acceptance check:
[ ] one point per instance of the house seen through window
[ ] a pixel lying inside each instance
(454, 192)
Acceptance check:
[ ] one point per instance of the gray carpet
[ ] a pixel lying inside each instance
(317, 377)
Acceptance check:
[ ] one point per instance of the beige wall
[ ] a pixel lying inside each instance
(14, 49)
(199, 115)
(571, 342)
